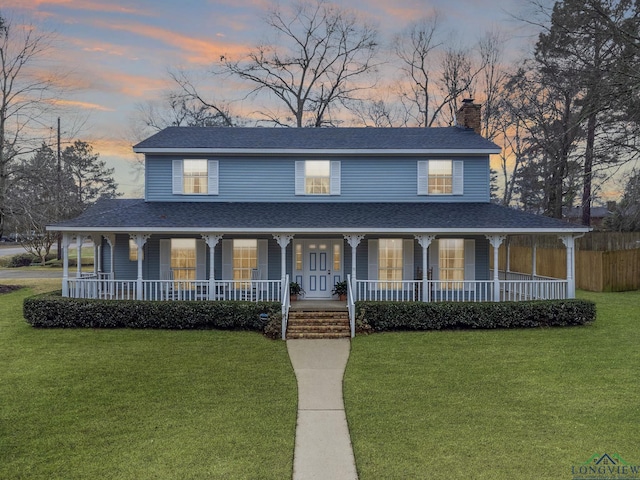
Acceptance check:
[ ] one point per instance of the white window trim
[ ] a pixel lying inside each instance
(165, 259)
(457, 173)
(178, 177)
(334, 179)
(262, 253)
(469, 261)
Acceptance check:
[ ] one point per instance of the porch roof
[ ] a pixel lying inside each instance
(137, 215)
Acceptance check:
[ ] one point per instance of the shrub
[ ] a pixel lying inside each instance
(383, 316)
(273, 329)
(55, 311)
(21, 260)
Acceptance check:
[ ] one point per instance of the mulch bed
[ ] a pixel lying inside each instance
(9, 288)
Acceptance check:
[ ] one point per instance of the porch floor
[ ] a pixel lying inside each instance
(319, 305)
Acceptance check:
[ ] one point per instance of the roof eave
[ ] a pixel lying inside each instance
(317, 151)
(332, 230)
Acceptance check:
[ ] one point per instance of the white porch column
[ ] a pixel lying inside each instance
(66, 240)
(283, 241)
(79, 240)
(496, 241)
(140, 239)
(425, 241)
(353, 241)
(111, 240)
(97, 253)
(508, 248)
(534, 259)
(569, 243)
(212, 241)
(97, 250)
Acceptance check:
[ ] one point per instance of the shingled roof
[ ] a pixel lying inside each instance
(454, 139)
(129, 215)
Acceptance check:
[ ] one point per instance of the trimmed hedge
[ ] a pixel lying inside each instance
(385, 316)
(55, 311)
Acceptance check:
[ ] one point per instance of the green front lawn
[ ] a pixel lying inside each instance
(142, 404)
(499, 404)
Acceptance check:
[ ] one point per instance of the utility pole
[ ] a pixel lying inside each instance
(58, 195)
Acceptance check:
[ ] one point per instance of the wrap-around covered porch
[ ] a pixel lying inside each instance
(420, 278)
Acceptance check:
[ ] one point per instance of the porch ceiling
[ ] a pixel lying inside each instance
(136, 215)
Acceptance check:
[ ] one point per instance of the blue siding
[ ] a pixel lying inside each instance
(483, 271)
(125, 269)
(364, 179)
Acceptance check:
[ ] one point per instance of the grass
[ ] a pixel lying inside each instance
(143, 404)
(497, 404)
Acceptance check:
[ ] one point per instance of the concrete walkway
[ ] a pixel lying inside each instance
(323, 445)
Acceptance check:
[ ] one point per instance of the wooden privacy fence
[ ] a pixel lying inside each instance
(596, 271)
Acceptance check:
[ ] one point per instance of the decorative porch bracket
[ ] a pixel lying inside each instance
(496, 241)
(212, 241)
(283, 241)
(569, 243)
(66, 241)
(425, 241)
(353, 241)
(140, 239)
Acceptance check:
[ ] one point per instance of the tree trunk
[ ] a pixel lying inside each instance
(588, 169)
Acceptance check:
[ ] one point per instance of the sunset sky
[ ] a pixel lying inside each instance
(118, 52)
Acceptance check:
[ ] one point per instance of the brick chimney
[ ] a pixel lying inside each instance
(468, 115)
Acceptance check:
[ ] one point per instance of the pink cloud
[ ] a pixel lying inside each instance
(80, 104)
(89, 5)
(196, 50)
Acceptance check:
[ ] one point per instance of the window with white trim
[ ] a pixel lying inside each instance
(195, 177)
(440, 177)
(317, 177)
(183, 258)
(451, 262)
(245, 258)
(390, 264)
(133, 251)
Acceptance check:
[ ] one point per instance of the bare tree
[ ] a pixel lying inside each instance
(25, 95)
(317, 62)
(416, 47)
(457, 77)
(434, 76)
(183, 105)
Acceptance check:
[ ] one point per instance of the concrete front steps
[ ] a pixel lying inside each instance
(314, 324)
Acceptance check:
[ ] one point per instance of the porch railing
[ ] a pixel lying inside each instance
(102, 286)
(286, 302)
(351, 306)
(164, 290)
(459, 291)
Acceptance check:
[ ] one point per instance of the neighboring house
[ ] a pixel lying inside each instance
(235, 213)
(598, 214)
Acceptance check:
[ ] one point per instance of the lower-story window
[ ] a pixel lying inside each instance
(390, 263)
(183, 258)
(451, 263)
(245, 258)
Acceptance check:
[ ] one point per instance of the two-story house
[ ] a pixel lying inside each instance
(237, 213)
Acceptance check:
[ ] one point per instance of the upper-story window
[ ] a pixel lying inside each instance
(195, 177)
(440, 177)
(317, 177)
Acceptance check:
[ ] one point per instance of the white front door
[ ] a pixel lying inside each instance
(317, 266)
